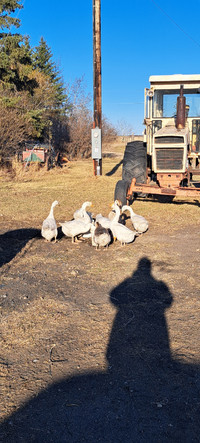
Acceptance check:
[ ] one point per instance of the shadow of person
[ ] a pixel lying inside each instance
(139, 330)
(144, 396)
(12, 242)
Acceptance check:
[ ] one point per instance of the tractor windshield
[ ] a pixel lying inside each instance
(164, 103)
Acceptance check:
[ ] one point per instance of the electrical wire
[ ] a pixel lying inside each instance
(176, 24)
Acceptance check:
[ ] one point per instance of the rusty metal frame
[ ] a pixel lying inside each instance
(155, 189)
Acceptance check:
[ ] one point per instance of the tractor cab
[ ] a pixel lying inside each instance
(161, 101)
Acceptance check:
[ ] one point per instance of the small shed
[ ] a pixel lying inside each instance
(36, 152)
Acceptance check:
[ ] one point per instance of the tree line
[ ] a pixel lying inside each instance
(35, 104)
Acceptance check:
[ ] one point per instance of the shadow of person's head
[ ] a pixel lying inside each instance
(141, 287)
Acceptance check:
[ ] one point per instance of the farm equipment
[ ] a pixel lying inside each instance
(165, 162)
(41, 153)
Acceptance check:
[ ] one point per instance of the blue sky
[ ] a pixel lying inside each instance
(139, 39)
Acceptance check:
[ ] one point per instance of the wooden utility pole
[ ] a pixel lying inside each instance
(97, 121)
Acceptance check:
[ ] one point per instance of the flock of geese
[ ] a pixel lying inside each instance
(102, 230)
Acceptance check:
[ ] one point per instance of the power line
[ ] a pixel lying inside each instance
(176, 24)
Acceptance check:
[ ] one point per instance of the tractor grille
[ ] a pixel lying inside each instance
(169, 139)
(169, 158)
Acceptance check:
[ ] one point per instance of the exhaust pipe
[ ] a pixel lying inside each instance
(181, 107)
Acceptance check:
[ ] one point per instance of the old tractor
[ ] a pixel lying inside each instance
(167, 160)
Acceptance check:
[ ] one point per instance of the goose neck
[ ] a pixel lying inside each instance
(117, 215)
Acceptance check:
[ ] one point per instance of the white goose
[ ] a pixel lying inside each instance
(139, 223)
(121, 232)
(49, 227)
(80, 213)
(104, 221)
(74, 228)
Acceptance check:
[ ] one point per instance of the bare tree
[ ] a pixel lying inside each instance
(109, 132)
(124, 128)
(79, 126)
(79, 120)
(14, 130)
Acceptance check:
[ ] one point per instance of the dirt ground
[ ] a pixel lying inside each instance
(102, 345)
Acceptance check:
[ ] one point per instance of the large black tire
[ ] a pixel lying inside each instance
(121, 191)
(135, 162)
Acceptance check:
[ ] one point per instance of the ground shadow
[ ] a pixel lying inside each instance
(144, 396)
(12, 242)
(113, 170)
(163, 200)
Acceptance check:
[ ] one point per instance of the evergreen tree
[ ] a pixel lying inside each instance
(43, 61)
(31, 88)
(15, 51)
(15, 63)
(8, 7)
